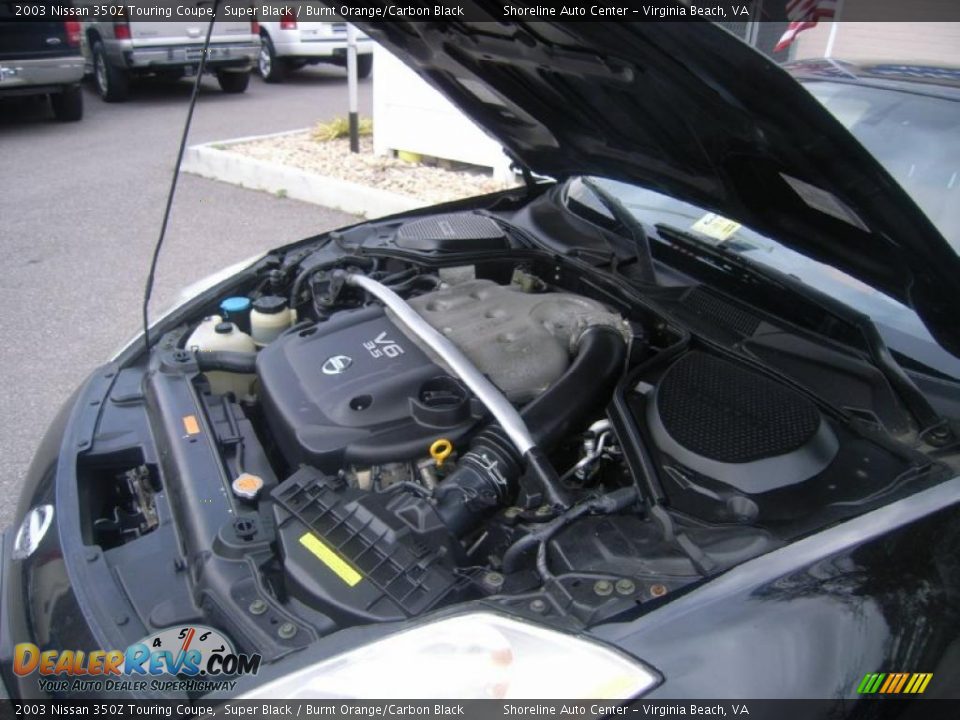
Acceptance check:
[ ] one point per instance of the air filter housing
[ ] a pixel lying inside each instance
(733, 438)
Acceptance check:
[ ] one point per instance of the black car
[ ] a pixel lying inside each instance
(536, 443)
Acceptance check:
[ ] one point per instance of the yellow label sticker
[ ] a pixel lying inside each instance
(330, 558)
(191, 425)
(716, 227)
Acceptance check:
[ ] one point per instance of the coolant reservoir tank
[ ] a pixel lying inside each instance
(270, 317)
(213, 335)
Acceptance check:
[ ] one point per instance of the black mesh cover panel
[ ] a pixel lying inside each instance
(451, 231)
(721, 411)
(710, 307)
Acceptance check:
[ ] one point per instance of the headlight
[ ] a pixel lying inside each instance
(31, 531)
(480, 655)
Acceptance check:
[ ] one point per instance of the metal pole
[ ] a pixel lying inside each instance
(834, 27)
(352, 88)
(753, 26)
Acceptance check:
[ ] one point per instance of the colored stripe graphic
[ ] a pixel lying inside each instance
(901, 682)
(891, 679)
(894, 683)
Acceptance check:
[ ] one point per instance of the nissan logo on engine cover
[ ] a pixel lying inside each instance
(336, 364)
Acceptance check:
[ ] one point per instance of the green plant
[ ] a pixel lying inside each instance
(338, 128)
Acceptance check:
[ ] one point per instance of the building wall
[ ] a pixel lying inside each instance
(933, 43)
(410, 116)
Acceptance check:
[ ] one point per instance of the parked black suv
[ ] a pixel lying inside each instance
(42, 58)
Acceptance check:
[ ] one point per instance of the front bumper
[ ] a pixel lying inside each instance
(232, 55)
(39, 74)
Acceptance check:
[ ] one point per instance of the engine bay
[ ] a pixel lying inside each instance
(358, 436)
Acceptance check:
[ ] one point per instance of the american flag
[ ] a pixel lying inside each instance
(804, 14)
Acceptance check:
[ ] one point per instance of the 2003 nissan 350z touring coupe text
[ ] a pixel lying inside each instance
(557, 441)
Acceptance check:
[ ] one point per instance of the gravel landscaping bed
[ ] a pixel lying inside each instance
(333, 158)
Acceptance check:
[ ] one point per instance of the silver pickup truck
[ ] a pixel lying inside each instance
(118, 49)
(42, 58)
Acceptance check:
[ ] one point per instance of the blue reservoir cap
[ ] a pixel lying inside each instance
(235, 305)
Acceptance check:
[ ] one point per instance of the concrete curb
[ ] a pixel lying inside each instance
(216, 162)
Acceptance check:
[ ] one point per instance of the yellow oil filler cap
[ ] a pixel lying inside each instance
(440, 451)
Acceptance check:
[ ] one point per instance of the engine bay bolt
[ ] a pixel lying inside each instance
(493, 579)
(538, 605)
(603, 587)
(939, 436)
(287, 631)
(625, 586)
(257, 607)
(658, 590)
(544, 510)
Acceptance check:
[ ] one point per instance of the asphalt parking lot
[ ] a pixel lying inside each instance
(80, 210)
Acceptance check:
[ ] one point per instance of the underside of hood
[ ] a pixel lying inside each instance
(689, 110)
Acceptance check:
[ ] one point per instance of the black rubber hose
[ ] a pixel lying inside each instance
(608, 504)
(488, 473)
(234, 362)
(584, 389)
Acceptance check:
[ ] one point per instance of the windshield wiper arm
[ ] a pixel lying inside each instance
(933, 427)
(627, 219)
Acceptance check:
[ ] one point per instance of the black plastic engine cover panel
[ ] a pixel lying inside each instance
(735, 446)
(362, 556)
(356, 389)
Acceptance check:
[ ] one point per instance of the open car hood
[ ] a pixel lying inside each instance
(689, 110)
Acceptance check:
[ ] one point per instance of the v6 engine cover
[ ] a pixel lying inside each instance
(356, 389)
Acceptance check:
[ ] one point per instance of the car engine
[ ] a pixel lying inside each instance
(394, 435)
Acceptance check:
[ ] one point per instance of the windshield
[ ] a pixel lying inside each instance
(915, 137)
(899, 325)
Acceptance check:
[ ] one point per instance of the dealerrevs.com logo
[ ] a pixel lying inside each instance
(191, 658)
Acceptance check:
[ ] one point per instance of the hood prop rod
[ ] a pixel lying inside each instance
(148, 287)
